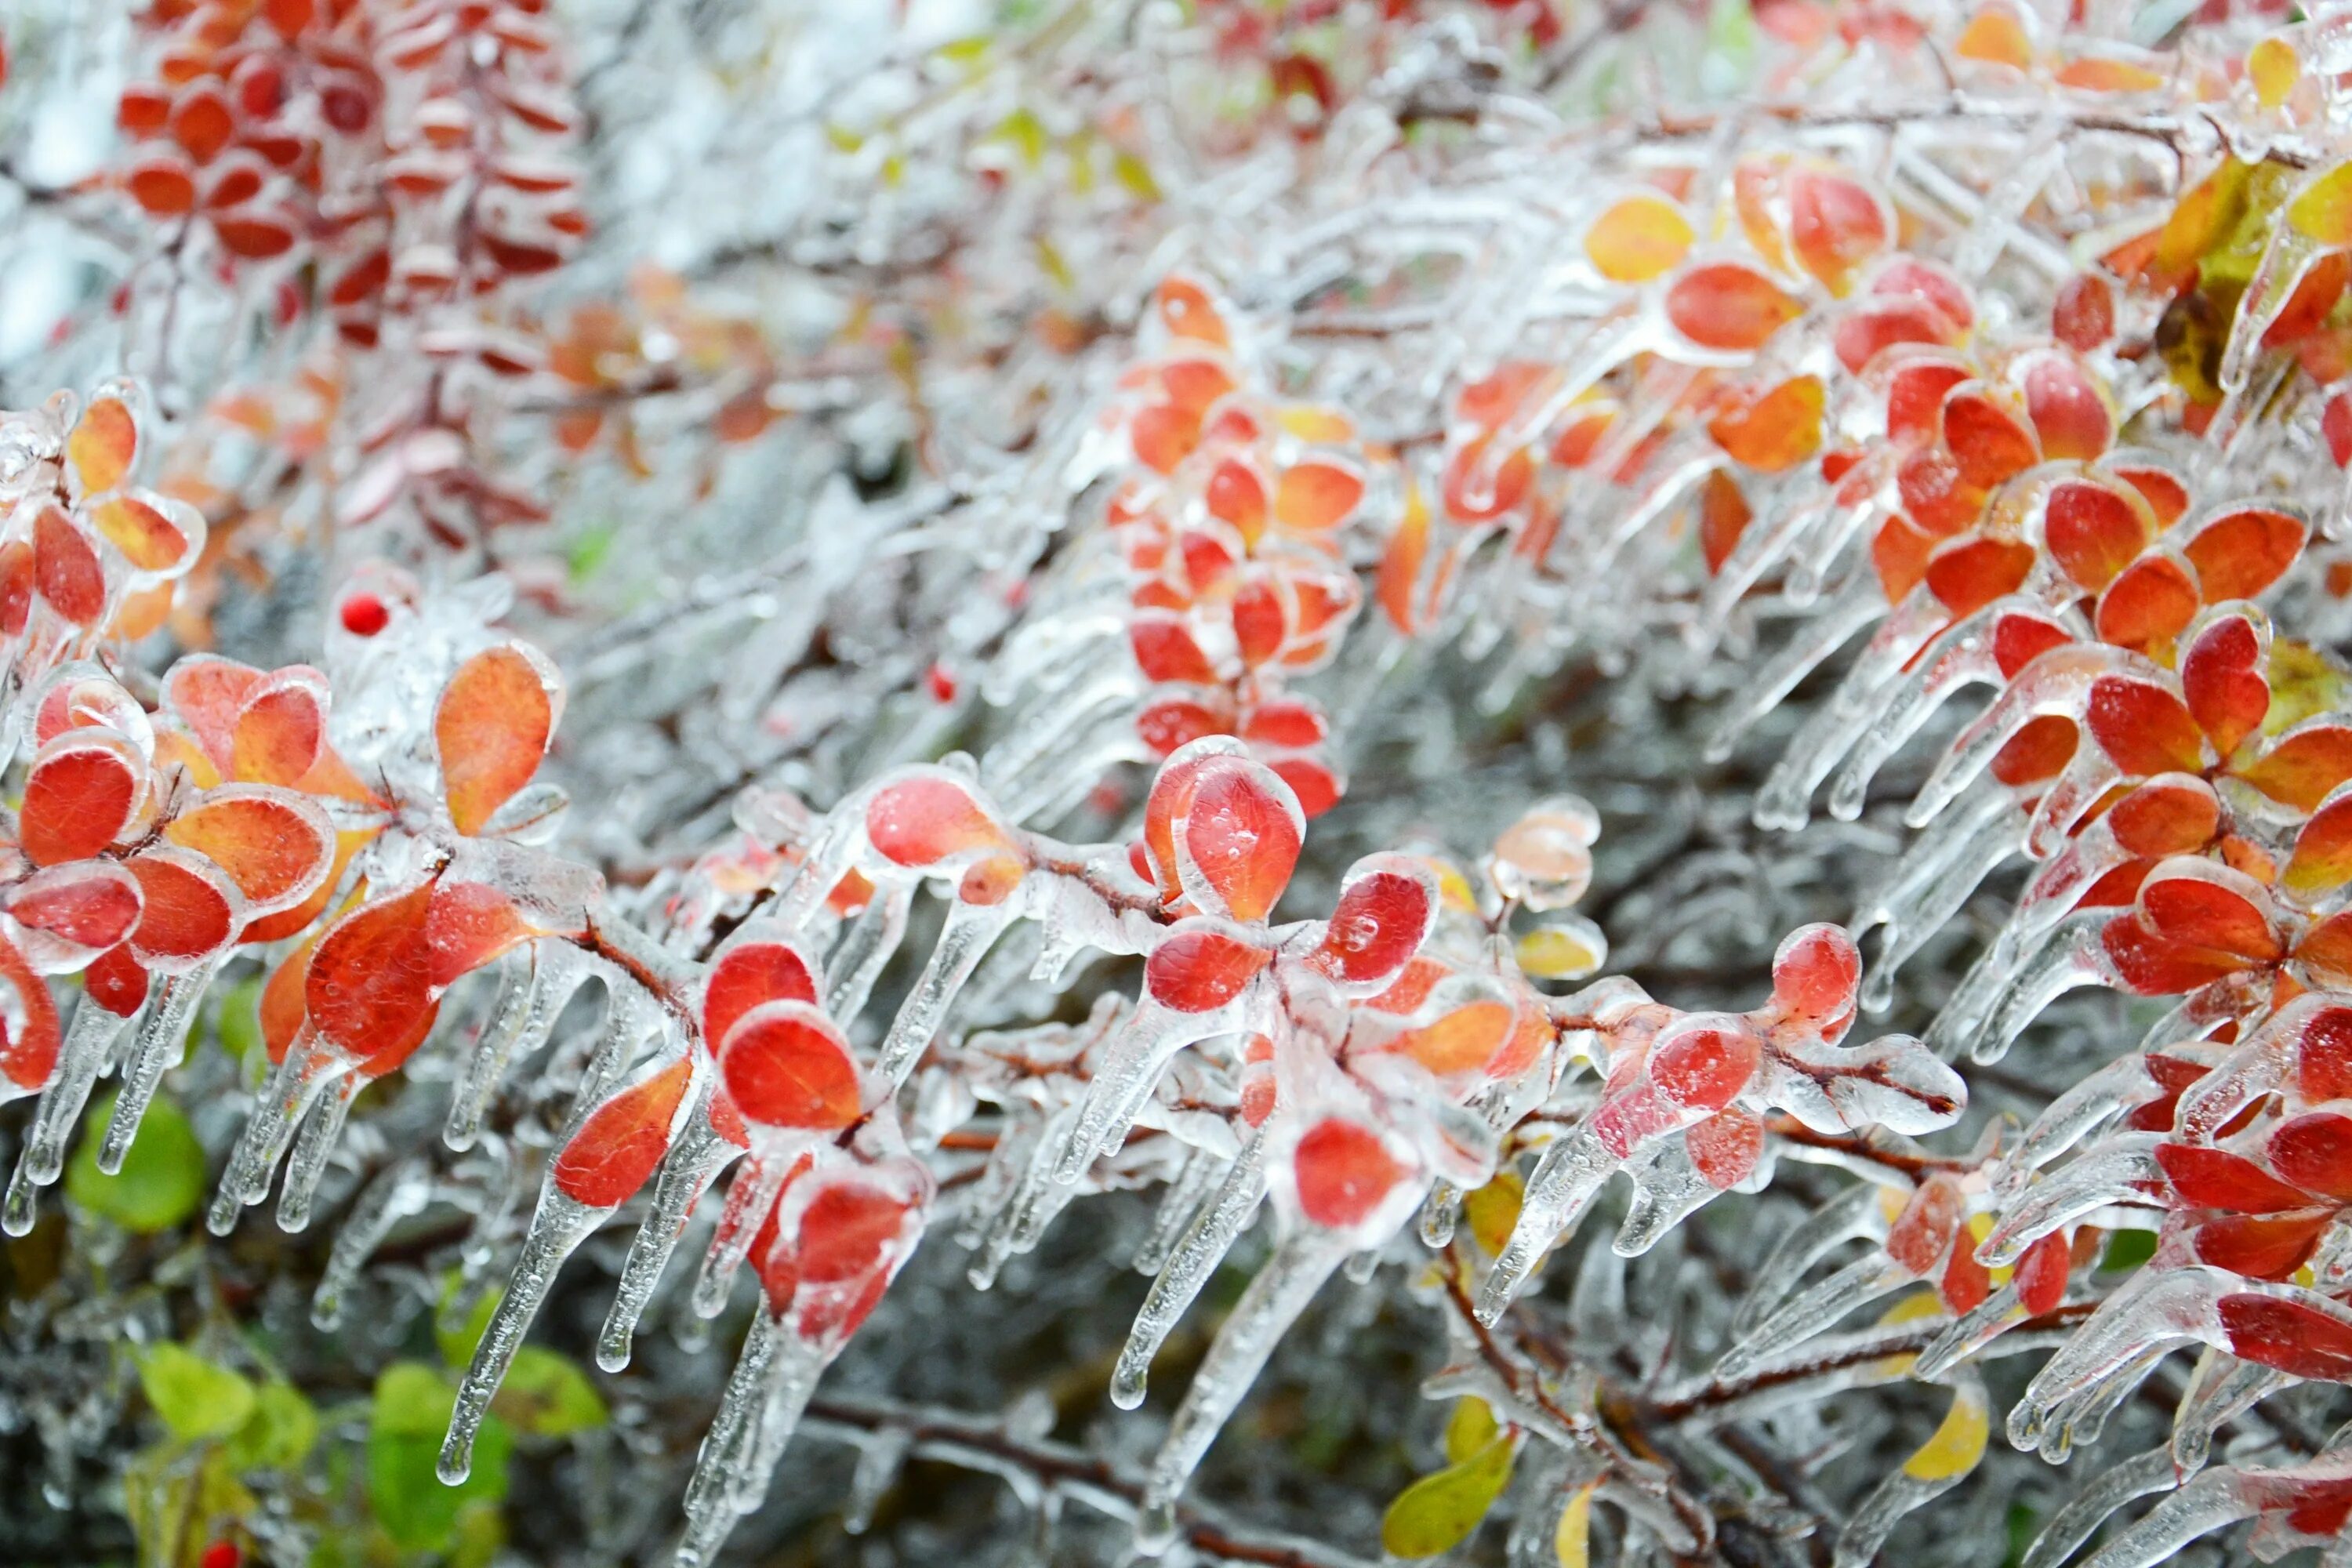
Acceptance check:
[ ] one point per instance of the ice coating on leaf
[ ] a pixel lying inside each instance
(493, 724)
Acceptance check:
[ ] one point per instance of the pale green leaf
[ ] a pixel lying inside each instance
(195, 1397)
(162, 1180)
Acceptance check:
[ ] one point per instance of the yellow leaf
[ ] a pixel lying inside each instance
(1572, 1540)
(1027, 134)
(1568, 947)
(1437, 1512)
(2273, 68)
(1135, 174)
(2323, 209)
(1638, 238)
(1957, 1444)
(1055, 268)
(1471, 1429)
(1911, 1309)
(1493, 1210)
(843, 139)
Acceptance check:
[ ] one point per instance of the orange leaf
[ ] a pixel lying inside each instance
(103, 443)
(275, 845)
(496, 718)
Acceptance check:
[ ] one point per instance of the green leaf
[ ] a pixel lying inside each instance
(458, 1338)
(1437, 1513)
(2127, 1250)
(239, 1023)
(280, 1431)
(195, 1397)
(405, 1425)
(589, 551)
(162, 1180)
(547, 1395)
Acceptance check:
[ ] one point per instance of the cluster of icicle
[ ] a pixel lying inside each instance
(2178, 772)
(1347, 1071)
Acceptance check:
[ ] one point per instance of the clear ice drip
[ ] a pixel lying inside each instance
(1566, 1180)
(557, 1227)
(401, 1192)
(158, 1047)
(1299, 1265)
(88, 1041)
(964, 940)
(533, 986)
(1189, 1265)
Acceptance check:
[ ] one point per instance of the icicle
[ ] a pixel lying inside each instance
(2074, 1115)
(1132, 1061)
(792, 1375)
(2081, 1417)
(2210, 1500)
(1856, 604)
(313, 1147)
(2222, 1389)
(1439, 1214)
(2108, 1490)
(310, 1066)
(1200, 1176)
(533, 986)
(866, 950)
(881, 1458)
(2110, 1174)
(749, 1198)
(693, 1163)
(80, 1058)
(1565, 1182)
(1035, 1200)
(1299, 1265)
(558, 1227)
(1667, 1188)
(1831, 730)
(1813, 1311)
(398, 1193)
(2131, 1330)
(971, 929)
(1988, 839)
(161, 1043)
(1925, 880)
(1992, 1009)
(831, 854)
(727, 1445)
(1860, 1211)
(1195, 1258)
(630, 1013)
(2054, 683)
(1969, 1333)
(1959, 657)
(1811, 568)
(1039, 738)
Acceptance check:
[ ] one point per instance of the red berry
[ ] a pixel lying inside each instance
(364, 614)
